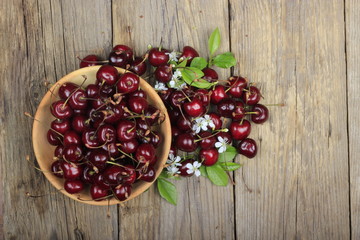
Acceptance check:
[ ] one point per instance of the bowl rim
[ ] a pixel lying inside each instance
(143, 186)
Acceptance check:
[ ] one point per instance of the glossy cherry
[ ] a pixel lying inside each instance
(183, 124)
(240, 130)
(239, 112)
(177, 98)
(126, 130)
(189, 53)
(226, 107)
(122, 192)
(66, 89)
(216, 119)
(98, 193)
(118, 59)
(236, 86)
(218, 94)
(158, 57)
(107, 74)
(138, 93)
(163, 73)
(98, 158)
(78, 100)
(90, 60)
(138, 66)
(149, 175)
(71, 171)
(210, 75)
(208, 141)
(247, 147)
(80, 123)
(129, 146)
(111, 174)
(184, 169)
(186, 142)
(145, 153)
(73, 186)
(209, 156)
(58, 152)
(73, 153)
(138, 104)
(128, 82)
(106, 134)
(252, 96)
(61, 110)
(71, 138)
(89, 138)
(261, 113)
(203, 95)
(60, 125)
(54, 138)
(194, 108)
(120, 48)
(56, 169)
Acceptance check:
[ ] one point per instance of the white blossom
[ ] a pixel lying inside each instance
(172, 169)
(174, 160)
(177, 74)
(209, 121)
(159, 86)
(221, 144)
(200, 124)
(173, 56)
(193, 168)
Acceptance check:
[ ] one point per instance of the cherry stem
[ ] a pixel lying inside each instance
(72, 93)
(117, 164)
(275, 105)
(129, 156)
(212, 135)
(251, 113)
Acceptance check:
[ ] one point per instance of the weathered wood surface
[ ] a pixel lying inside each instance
(302, 185)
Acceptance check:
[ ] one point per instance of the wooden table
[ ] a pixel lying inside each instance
(304, 182)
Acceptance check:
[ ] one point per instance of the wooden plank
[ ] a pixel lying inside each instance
(204, 211)
(297, 186)
(41, 40)
(353, 89)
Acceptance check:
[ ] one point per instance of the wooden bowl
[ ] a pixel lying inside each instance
(44, 152)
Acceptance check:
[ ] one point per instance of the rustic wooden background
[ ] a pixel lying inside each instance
(304, 183)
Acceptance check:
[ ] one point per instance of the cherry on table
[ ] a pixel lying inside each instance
(183, 124)
(186, 142)
(183, 168)
(120, 48)
(261, 113)
(226, 107)
(218, 94)
(252, 96)
(240, 130)
(210, 75)
(158, 57)
(163, 73)
(239, 112)
(189, 53)
(138, 66)
(118, 59)
(92, 90)
(203, 95)
(209, 156)
(247, 147)
(194, 108)
(207, 140)
(216, 119)
(90, 60)
(236, 86)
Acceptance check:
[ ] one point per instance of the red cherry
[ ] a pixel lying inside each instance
(106, 134)
(122, 192)
(210, 75)
(216, 120)
(207, 141)
(183, 169)
(71, 138)
(124, 49)
(194, 108)
(80, 123)
(209, 156)
(73, 153)
(88, 175)
(73, 186)
(111, 174)
(107, 91)
(129, 146)
(163, 73)
(183, 124)
(54, 138)
(226, 136)
(165, 95)
(59, 151)
(138, 66)
(127, 176)
(173, 150)
(92, 90)
(114, 113)
(252, 96)
(56, 169)
(107, 74)
(218, 94)
(239, 112)
(61, 110)
(158, 57)
(98, 193)
(240, 130)
(186, 142)
(90, 60)
(128, 82)
(203, 95)
(189, 53)
(247, 147)
(66, 89)
(89, 138)
(99, 180)
(126, 130)
(113, 150)
(236, 86)
(138, 104)
(70, 170)
(175, 132)
(78, 100)
(138, 93)
(226, 107)
(177, 98)
(262, 114)
(60, 125)
(148, 175)
(98, 158)
(118, 59)
(145, 153)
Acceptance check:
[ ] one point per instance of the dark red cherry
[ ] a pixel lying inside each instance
(126, 130)
(107, 91)
(124, 49)
(216, 120)
(122, 192)
(129, 146)
(236, 86)
(78, 100)
(209, 156)
(90, 60)
(165, 94)
(99, 180)
(60, 125)
(152, 115)
(155, 138)
(96, 118)
(73, 186)
(138, 66)
(194, 108)
(226, 136)
(226, 107)
(239, 112)
(92, 90)
(210, 75)
(113, 113)
(218, 94)
(89, 138)
(142, 128)
(73, 153)
(80, 111)
(80, 123)
(128, 175)
(174, 115)
(128, 82)
(163, 73)
(177, 98)
(88, 175)
(71, 138)
(183, 169)
(118, 59)
(252, 96)
(262, 114)
(148, 175)
(186, 142)
(98, 193)
(70, 170)
(203, 95)
(247, 147)
(56, 169)
(111, 174)
(183, 124)
(98, 158)
(138, 104)
(107, 74)
(138, 93)
(175, 132)
(145, 153)
(113, 150)
(189, 53)
(98, 104)
(240, 130)
(59, 151)
(106, 134)
(54, 138)
(66, 89)
(61, 110)
(158, 57)
(208, 141)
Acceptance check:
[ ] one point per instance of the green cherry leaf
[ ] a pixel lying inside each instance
(217, 175)
(203, 171)
(230, 166)
(199, 63)
(228, 155)
(182, 64)
(225, 60)
(167, 190)
(214, 41)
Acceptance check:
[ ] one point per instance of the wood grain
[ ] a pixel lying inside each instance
(297, 187)
(176, 24)
(353, 94)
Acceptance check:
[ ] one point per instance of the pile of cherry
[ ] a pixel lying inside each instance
(104, 134)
